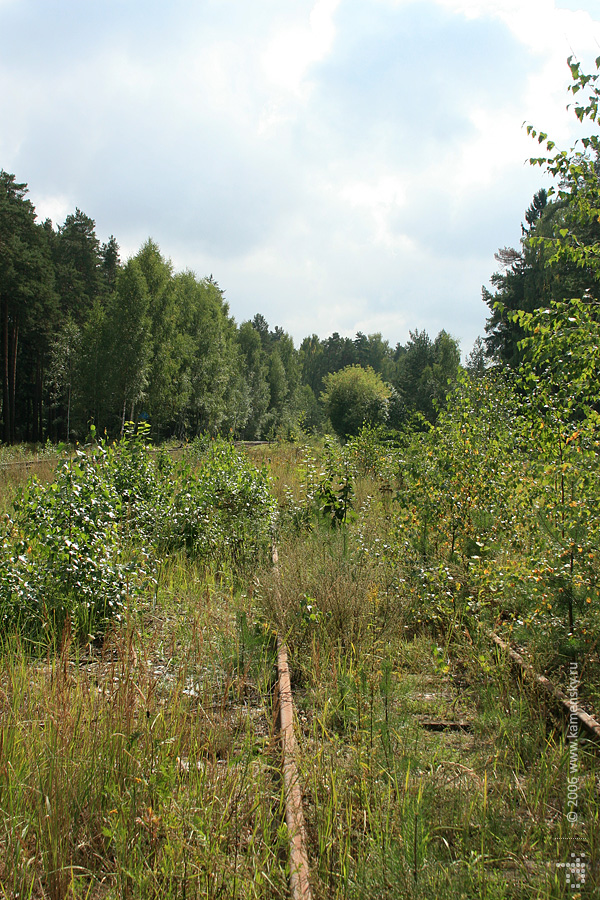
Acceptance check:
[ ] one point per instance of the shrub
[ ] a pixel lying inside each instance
(76, 549)
(63, 559)
(225, 512)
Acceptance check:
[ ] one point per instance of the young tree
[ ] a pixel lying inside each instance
(164, 396)
(64, 352)
(476, 362)
(111, 263)
(92, 397)
(128, 325)
(446, 365)
(561, 356)
(209, 355)
(283, 378)
(527, 281)
(561, 345)
(425, 371)
(354, 397)
(256, 373)
(312, 363)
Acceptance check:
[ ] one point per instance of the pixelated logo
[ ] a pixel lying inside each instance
(574, 871)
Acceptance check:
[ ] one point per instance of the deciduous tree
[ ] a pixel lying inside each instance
(354, 397)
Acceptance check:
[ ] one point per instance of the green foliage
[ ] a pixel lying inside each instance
(255, 368)
(576, 173)
(28, 300)
(209, 393)
(496, 516)
(546, 324)
(79, 548)
(560, 376)
(561, 357)
(462, 501)
(224, 513)
(354, 397)
(559, 258)
(62, 369)
(91, 339)
(336, 486)
(560, 362)
(129, 331)
(78, 263)
(164, 392)
(64, 563)
(369, 451)
(425, 371)
(144, 488)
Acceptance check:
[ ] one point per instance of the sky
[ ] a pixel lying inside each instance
(336, 165)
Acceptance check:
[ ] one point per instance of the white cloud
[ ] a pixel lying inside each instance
(294, 47)
(379, 199)
(56, 208)
(548, 30)
(336, 165)
(286, 60)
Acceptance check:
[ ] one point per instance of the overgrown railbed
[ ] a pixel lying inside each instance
(146, 770)
(139, 755)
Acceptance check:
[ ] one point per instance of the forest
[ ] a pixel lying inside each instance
(88, 339)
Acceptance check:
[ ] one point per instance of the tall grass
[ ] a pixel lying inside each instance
(396, 809)
(146, 770)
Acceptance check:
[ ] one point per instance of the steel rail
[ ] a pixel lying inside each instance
(294, 815)
(569, 706)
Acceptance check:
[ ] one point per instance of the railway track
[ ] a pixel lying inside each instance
(569, 706)
(294, 814)
(432, 744)
(377, 727)
(434, 713)
(576, 719)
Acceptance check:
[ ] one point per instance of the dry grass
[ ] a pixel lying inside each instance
(16, 470)
(145, 769)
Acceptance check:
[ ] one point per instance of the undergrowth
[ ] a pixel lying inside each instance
(144, 762)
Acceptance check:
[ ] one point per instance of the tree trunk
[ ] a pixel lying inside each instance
(12, 376)
(36, 402)
(5, 371)
(40, 396)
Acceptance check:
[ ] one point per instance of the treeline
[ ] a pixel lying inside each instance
(89, 339)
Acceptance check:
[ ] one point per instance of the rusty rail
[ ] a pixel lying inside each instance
(571, 707)
(294, 815)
